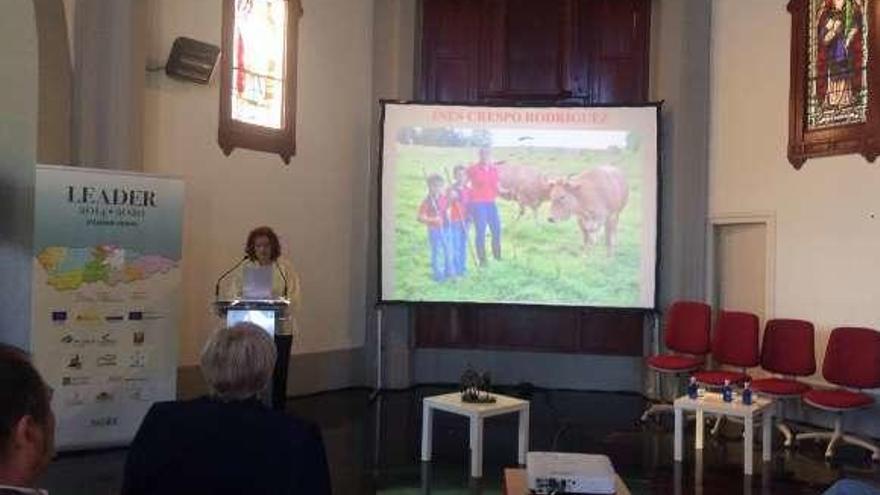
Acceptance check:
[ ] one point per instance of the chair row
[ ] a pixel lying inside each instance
(787, 352)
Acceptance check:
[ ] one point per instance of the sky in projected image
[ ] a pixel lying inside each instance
(558, 138)
(550, 206)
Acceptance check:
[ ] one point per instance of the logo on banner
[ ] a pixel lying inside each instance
(74, 362)
(104, 396)
(105, 360)
(111, 206)
(104, 422)
(75, 381)
(110, 197)
(137, 360)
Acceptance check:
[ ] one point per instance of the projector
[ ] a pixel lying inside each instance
(557, 472)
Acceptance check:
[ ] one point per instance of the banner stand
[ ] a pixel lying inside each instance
(106, 302)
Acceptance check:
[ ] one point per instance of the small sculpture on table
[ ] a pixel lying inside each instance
(475, 387)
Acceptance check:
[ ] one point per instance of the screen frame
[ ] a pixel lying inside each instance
(384, 102)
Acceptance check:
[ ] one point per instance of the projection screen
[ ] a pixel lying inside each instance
(519, 205)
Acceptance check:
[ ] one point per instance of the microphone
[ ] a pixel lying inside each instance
(227, 272)
(283, 277)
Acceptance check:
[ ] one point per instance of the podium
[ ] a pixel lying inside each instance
(268, 314)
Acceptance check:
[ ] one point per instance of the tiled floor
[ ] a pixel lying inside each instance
(373, 447)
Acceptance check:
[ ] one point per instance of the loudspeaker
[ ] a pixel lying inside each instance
(192, 60)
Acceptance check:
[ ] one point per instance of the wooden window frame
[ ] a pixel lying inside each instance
(236, 134)
(861, 138)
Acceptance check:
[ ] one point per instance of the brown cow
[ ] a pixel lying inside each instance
(524, 184)
(596, 197)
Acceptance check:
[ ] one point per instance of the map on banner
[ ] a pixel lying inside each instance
(70, 268)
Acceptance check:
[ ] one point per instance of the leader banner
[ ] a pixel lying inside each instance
(106, 292)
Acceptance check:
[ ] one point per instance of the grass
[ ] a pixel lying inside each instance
(542, 263)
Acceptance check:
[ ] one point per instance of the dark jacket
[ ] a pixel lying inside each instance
(213, 447)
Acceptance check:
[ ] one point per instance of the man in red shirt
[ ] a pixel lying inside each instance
(483, 176)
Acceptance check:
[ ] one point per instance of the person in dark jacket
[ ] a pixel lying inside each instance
(228, 442)
(27, 424)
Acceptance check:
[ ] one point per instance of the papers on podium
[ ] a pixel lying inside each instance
(257, 282)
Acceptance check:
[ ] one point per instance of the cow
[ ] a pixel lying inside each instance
(528, 186)
(595, 197)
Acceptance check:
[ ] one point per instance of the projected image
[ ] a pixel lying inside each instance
(509, 211)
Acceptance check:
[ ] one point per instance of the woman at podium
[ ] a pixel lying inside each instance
(263, 251)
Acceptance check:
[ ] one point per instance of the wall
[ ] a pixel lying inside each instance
(318, 204)
(680, 78)
(394, 75)
(56, 73)
(827, 236)
(108, 83)
(18, 145)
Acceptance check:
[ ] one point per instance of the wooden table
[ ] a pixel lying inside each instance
(475, 413)
(713, 403)
(516, 482)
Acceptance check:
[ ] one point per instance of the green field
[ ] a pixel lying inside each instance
(541, 262)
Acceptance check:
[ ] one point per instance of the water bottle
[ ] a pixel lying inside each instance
(727, 391)
(692, 388)
(747, 394)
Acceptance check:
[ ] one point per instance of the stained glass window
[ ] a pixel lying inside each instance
(837, 61)
(258, 62)
(258, 86)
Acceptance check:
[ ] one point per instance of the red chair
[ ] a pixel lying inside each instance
(852, 360)
(787, 350)
(734, 343)
(686, 334)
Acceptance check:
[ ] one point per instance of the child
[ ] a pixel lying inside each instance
(433, 213)
(459, 220)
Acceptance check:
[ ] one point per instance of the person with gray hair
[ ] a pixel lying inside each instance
(237, 362)
(228, 442)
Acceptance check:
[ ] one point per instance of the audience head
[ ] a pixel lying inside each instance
(263, 246)
(237, 362)
(27, 425)
(435, 184)
(485, 154)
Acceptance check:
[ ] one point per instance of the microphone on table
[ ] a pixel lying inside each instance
(227, 272)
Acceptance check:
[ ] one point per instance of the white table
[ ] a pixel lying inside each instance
(713, 403)
(475, 413)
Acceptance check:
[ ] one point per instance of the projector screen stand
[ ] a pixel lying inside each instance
(379, 367)
(656, 385)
